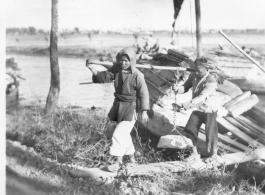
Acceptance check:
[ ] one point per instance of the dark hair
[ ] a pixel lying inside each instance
(202, 61)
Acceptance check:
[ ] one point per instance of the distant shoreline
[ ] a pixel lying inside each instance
(62, 52)
(79, 46)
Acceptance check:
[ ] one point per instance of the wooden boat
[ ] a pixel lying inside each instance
(242, 72)
(238, 136)
(12, 84)
(235, 134)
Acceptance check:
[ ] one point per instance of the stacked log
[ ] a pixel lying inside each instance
(237, 99)
(241, 104)
(240, 107)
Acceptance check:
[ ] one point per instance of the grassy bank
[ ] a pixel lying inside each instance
(83, 137)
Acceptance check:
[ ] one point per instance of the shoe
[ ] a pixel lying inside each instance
(114, 167)
(212, 159)
(132, 159)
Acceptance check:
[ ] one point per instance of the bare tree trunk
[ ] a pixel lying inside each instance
(198, 27)
(53, 95)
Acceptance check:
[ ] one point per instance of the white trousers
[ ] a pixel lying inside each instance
(121, 140)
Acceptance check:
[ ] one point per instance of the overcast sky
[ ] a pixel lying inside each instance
(146, 14)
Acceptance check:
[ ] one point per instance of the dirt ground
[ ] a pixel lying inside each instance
(15, 186)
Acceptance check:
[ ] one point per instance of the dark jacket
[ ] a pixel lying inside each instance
(129, 87)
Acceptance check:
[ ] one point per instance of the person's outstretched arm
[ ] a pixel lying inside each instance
(91, 68)
(101, 76)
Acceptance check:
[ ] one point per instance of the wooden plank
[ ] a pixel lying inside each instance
(256, 114)
(260, 131)
(179, 53)
(242, 157)
(237, 99)
(251, 124)
(240, 135)
(246, 130)
(236, 109)
(154, 92)
(170, 167)
(233, 143)
(201, 144)
(157, 80)
(240, 66)
(148, 66)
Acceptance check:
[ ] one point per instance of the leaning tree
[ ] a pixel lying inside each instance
(53, 95)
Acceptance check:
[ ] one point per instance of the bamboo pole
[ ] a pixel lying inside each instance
(198, 27)
(236, 46)
(144, 66)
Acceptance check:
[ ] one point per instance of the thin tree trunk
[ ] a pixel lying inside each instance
(198, 27)
(53, 95)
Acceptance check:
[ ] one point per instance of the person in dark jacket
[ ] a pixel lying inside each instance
(131, 98)
(203, 85)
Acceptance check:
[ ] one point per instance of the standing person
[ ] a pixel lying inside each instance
(203, 85)
(131, 97)
(149, 42)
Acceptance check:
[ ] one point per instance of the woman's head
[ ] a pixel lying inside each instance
(126, 58)
(124, 62)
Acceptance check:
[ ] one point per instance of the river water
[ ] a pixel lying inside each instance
(35, 88)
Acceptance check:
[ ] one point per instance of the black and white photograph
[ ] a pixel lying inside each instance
(133, 97)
